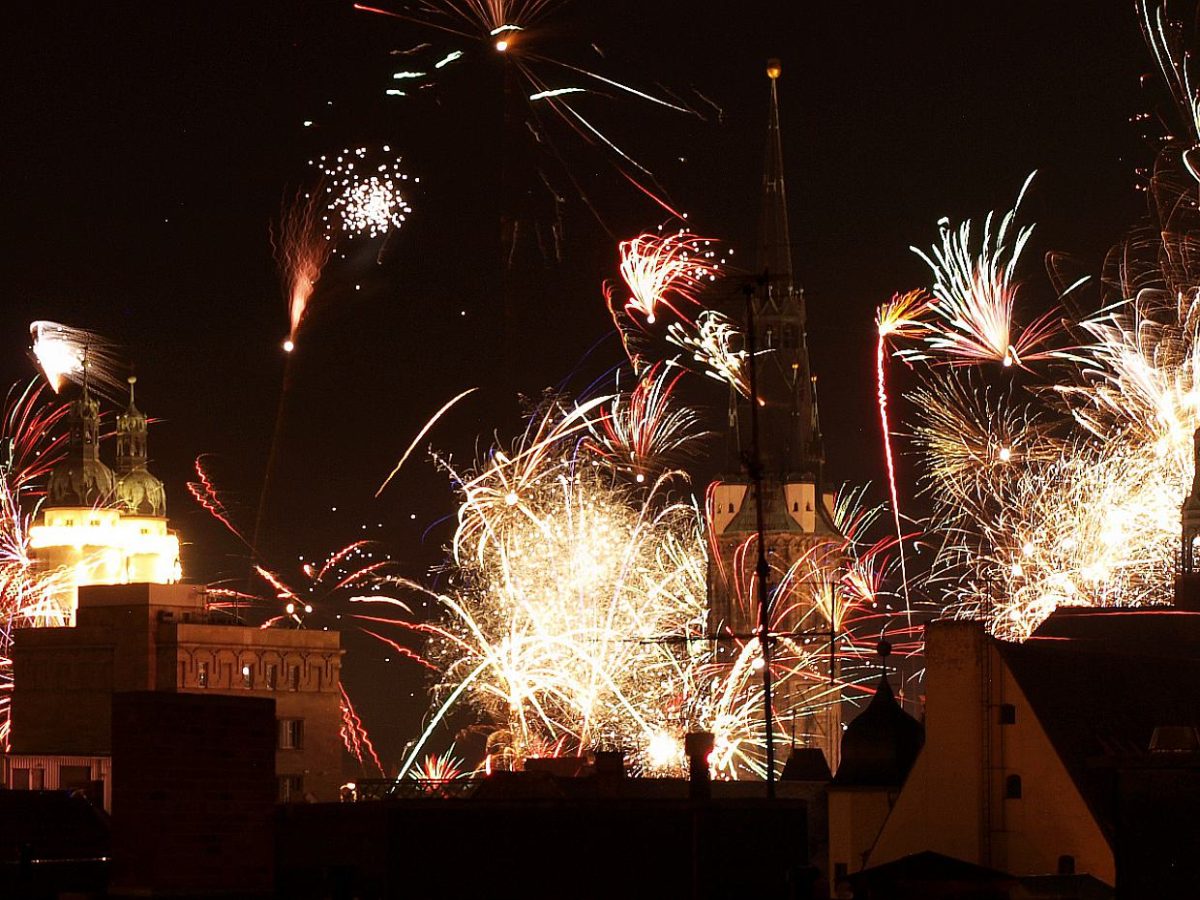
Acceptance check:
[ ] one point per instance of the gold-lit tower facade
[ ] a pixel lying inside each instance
(98, 526)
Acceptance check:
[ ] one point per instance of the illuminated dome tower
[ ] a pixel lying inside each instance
(138, 492)
(101, 528)
(81, 480)
(797, 510)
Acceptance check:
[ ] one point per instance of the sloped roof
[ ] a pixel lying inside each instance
(1101, 681)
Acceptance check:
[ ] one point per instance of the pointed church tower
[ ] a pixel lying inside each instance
(799, 532)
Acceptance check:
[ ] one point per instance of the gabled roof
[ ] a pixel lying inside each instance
(1101, 681)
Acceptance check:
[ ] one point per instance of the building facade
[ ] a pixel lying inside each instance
(151, 637)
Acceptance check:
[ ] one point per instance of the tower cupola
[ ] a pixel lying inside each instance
(81, 479)
(139, 492)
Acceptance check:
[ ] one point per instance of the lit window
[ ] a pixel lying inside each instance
(272, 677)
(291, 734)
(94, 522)
(247, 676)
(68, 521)
(202, 674)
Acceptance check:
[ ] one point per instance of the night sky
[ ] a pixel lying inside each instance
(147, 147)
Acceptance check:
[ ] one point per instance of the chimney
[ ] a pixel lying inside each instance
(698, 745)
(609, 764)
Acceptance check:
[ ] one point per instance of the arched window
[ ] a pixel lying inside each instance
(731, 507)
(1012, 787)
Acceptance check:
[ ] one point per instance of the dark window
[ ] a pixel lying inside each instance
(1012, 787)
(293, 678)
(840, 871)
(291, 734)
(74, 778)
(291, 788)
(795, 508)
(272, 677)
(202, 674)
(790, 340)
(20, 779)
(1066, 865)
(1008, 714)
(731, 510)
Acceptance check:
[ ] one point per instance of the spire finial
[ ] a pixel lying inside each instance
(132, 379)
(774, 68)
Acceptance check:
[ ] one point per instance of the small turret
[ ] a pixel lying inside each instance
(81, 479)
(139, 493)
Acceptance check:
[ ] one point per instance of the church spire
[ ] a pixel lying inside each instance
(790, 435)
(775, 243)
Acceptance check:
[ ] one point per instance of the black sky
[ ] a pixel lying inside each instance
(146, 147)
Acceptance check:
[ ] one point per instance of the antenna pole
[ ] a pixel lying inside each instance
(754, 469)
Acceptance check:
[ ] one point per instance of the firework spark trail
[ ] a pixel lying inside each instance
(511, 29)
(354, 735)
(647, 430)
(302, 245)
(72, 355)
(659, 271)
(1164, 37)
(902, 317)
(438, 768)
(715, 343)
(974, 293)
(421, 434)
(30, 435)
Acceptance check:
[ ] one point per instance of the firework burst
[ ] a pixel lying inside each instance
(365, 196)
(74, 355)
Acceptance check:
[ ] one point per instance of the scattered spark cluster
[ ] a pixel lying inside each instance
(365, 197)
